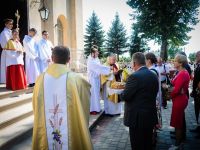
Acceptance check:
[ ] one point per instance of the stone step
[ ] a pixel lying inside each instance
(9, 103)
(14, 132)
(14, 115)
(8, 93)
(18, 136)
(23, 140)
(94, 119)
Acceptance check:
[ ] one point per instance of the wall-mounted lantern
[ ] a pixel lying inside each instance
(44, 12)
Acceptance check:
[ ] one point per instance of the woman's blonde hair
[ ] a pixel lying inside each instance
(181, 59)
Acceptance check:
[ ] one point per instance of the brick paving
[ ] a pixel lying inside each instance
(111, 134)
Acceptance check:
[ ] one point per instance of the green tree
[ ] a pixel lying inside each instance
(124, 59)
(165, 21)
(137, 43)
(173, 50)
(94, 35)
(116, 38)
(192, 57)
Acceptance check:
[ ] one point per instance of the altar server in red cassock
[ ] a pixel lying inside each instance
(15, 74)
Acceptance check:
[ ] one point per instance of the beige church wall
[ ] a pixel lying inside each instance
(69, 14)
(34, 20)
(63, 21)
(59, 12)
(68, 17)
(79, 35)
(74, 15)
(49, 25)
(57, 9)
(79, 25)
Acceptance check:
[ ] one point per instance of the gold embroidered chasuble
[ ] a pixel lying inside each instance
(78, 95)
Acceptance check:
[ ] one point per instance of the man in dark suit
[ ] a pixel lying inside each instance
(196, 93)
(140, 103)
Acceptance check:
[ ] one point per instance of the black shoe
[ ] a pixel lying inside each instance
(165, 107)
(196, 130)
(154, 143)
(31, 85)
(117, 114)
(197, 137)
(109, 115)
(172, 137)
(172, 132)
(184, 139)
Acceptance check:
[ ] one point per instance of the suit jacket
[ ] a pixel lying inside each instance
(140, 99)
(196, 79)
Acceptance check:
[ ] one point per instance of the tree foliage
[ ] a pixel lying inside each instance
(166, 21)
(192, 57)
(94, 35)
(137, 43)
(116, 38)
(173, 50)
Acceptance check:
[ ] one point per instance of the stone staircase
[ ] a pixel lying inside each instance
(16, 115)
(16, 119)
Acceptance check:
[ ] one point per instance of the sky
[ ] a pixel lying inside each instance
(106, 9)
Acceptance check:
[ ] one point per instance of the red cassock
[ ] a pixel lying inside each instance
(15, 77)
(179, 98)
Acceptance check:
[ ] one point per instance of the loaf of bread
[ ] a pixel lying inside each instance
(117, 85)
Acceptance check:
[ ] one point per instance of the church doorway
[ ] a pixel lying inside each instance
(8, 10)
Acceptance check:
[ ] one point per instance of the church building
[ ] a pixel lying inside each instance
(61, 18)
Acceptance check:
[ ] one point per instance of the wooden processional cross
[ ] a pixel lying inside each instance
(55, 112)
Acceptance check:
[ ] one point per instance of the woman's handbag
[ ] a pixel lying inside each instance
(168, 90)
(168, 81)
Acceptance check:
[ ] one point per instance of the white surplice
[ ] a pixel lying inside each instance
(14, 57)
(55, 100)
(110, 107)
(5, 35)
(44, 50)
(31, 60)
(95, 69)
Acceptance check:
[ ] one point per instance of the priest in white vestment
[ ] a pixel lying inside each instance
(32, 58)
(95, 69)
(112, 104)
(44, 49)
(5, 35)
(61, 107)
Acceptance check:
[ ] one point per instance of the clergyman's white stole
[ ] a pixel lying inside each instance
(55, 100)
